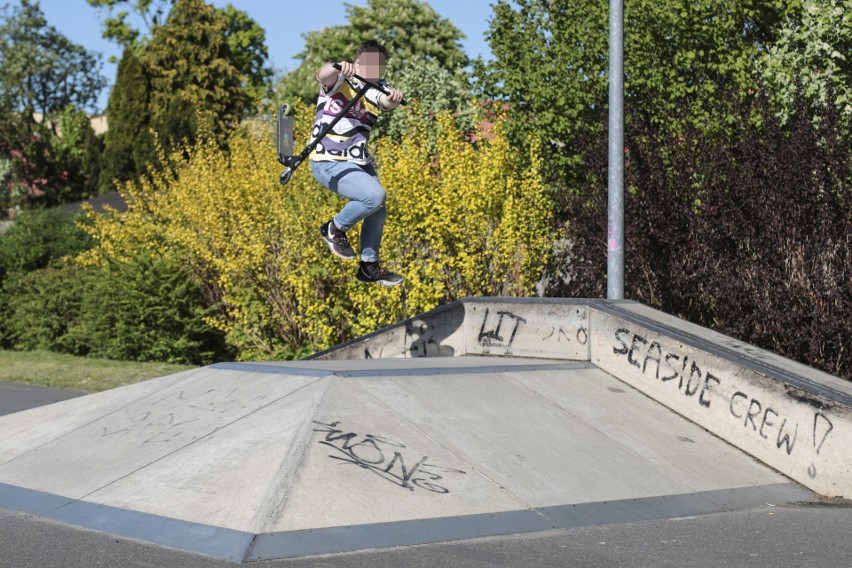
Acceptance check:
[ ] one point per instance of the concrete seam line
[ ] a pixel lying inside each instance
(273, 369)
(482, 370)
(289, 471)
(517, 300)
(280, 370)
(193, 442)
(248, 549)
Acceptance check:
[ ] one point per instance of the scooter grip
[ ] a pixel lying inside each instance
(337, 66)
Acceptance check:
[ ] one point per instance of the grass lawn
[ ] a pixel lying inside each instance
(78, 373)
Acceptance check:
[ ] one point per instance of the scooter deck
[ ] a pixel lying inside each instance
(285, 142)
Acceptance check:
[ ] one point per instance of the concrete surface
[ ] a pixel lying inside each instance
(348, 451)
(792, 417)
(795, 419)
(294, 452)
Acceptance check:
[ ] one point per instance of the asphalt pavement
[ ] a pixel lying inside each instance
(15, 397)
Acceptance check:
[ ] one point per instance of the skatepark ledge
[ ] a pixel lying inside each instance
(794, 418)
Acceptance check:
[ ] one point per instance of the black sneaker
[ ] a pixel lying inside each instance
(337, 241)
(372, 272)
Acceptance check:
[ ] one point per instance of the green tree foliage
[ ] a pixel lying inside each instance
(43, 71)
(247, 43)
(815, 50)
(246, 39)
(5, 184)
(551, 63)
(436, 90)
(128, 146)
(193, 81)
(80, 150)
(411, 30)
(117, 27)
(27, 156)
(198, 62)
(334, 43)
(48, 162)
(57, 158)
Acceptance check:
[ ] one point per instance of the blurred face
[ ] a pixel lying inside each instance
(370, 65)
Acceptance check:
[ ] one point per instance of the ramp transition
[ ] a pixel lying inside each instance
(343, 452)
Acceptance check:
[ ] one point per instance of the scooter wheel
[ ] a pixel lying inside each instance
(286, 110)
(285, 176)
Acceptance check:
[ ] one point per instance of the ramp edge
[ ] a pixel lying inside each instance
(238, 546)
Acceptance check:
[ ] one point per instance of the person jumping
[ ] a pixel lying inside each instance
(341, 161)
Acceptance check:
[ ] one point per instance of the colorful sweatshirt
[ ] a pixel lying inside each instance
(347, 141)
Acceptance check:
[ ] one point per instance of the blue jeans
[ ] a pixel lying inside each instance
(360, 185)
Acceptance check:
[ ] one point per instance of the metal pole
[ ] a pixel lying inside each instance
(615, 226)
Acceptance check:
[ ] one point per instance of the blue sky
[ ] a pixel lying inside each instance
(284, 21)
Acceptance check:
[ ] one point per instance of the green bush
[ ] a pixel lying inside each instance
(148, 308)
(41, 309)
(39, 294)
(39, 238)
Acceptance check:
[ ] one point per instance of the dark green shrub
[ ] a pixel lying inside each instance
(150, 308)
(147, 309)
(39, 293)
(39, 238)
(41, 309)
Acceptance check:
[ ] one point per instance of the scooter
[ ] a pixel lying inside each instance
(284, 129)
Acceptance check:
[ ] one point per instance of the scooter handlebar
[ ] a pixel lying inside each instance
(368, 82)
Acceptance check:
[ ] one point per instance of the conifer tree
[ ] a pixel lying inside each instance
(193, 82)
(128, 146)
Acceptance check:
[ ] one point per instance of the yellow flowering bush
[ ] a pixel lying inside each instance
(461, 221)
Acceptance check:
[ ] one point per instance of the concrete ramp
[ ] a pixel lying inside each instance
(253, 461)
